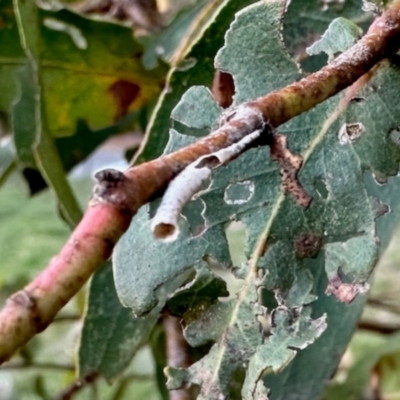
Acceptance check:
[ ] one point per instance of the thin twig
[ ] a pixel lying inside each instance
(77, 386)
(118, 196)
(38, 365)
(385, 329)
(177, 354)
(386, 303)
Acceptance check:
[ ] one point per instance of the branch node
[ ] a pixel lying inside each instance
(243, 113)
(23, 299)
(111, 187)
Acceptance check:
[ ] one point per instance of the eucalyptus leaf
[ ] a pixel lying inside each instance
(305, 19)
(111, 334)
(90, 75)
(196, 68)
(308, 258)
(340, 36)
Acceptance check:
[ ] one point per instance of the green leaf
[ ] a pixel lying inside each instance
(195, 69)
(359, 375)
(305, 18)
(191, 108)
(31, 137)
(7, 158)
(308, 373)
(378, 114)
(241, 49)
(90, 75)
(340, 36)
(338, 142)
(213, 372)
(131, 261)
(111, 334)
(165, 43)
(90, 70)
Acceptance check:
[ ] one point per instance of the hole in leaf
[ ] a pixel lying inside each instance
(233, 284)
(236, 236)
(223, 88)
(239, 192)
(193, 212)
(394, 135)
(357, 100)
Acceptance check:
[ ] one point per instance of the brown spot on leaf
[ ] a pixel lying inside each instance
(307, 245)
(290, 165)
(345, 292)
(124, 94)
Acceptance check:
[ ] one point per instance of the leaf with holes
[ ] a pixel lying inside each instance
(194, 68)
(90, 70)
(341, 35)
(310, 221)
(306, 21)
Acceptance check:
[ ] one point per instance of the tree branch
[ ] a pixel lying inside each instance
(118, 196)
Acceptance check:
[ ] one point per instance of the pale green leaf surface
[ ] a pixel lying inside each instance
(166, 42)
(214, 371)
(341, 215)
(138, 276)
(111, 334)
(306, 20)
(354, 257)
(197, 69)
(306, 376)
(340, 35)
(265, 70)
(192, 110)
(299, 381)
(244, 335)
(279, 350)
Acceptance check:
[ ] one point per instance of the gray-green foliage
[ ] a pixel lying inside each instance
(282, 334)
(340, 221)
(341, 34)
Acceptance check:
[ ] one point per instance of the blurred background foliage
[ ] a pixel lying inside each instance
(161, 32)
